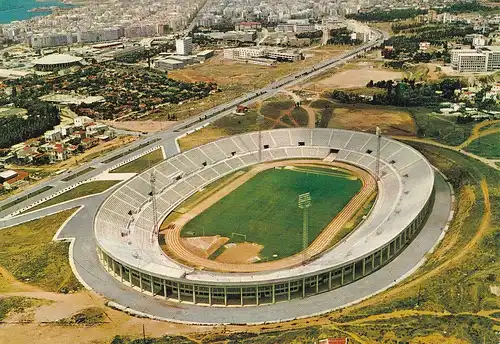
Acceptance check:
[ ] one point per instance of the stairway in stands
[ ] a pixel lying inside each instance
(330, 157)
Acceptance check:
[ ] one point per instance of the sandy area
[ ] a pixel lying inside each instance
(147, 126)
(366, 118)
(240, 253)
(42, 328)
(204, 246)
(352, 78)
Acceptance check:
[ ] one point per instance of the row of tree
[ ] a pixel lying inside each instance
(312, 35)
(379, 15)
(342, 36)
(405, 93)
(40, 118)
(392, 15)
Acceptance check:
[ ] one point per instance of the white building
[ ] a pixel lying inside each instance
(168, 64)
(484, 59)
(423, 46)
(80, 121)
(254, 52)
(137, 31)
(479, 41)
(51, 40)
(184, 46)
(53, 135)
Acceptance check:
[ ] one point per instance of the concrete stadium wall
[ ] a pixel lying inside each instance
(264, 293)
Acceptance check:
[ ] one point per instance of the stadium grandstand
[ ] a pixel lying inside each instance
(126, 226)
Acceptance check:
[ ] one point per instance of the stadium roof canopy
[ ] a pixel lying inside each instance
(58, 59)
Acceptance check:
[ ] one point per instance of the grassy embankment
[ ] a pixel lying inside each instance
(141, 164)
(86, 189)
(30, 255)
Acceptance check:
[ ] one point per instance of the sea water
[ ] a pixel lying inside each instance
(11, 10)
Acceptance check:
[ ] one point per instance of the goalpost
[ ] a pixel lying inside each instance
(244, 236)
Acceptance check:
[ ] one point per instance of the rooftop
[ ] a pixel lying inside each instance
(55, 59)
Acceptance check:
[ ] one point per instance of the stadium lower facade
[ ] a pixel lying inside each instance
(127, 235)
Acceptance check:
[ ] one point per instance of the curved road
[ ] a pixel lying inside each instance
(85, 263)
(167, 138)
(88, 268)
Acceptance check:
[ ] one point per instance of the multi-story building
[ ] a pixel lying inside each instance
(283, 55)
(100, 35)
(168, 64)
(243, 53)
(51, 40)
(475, 62)
(184, 46)
(254, 52)
(483, 59)
(137, 31)
(244, 26)
(493, 57)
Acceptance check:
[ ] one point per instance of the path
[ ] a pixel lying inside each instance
(312, 116)
(490, 162)
(174, 244)
(482, 229)
(311, 123)
(476, 133)
(13, 284)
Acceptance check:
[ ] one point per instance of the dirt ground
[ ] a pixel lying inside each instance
(240, 253)
(39, 325)
(204, 246)
(147, 126)
(227, 72)
(366, 118)
(356, 78)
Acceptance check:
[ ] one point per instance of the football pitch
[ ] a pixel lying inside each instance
(265, 208)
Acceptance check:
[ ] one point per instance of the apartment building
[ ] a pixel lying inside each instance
(184, 46)
(253, 53)
(483, 59)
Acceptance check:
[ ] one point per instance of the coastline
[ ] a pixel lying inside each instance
(30, 9)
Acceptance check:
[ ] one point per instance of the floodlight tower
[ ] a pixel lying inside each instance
(260, 121)
(155, 215)
(305, 204)
(378, 132)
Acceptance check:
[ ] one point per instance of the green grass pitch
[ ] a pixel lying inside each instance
(265, 208)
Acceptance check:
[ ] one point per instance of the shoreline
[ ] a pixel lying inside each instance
(33, 9)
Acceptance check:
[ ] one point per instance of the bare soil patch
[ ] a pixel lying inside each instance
(204, 246)
(245, 252)
(353, 78)
(392, 121)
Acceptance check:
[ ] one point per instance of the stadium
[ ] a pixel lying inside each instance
(393, 181)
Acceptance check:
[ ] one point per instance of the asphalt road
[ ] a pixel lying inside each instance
(79, 230)
(89, 269)
(167, 138)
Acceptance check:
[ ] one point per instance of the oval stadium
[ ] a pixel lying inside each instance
(154, 234)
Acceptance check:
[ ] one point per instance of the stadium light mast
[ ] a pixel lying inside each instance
(378, 132)
(155, 215)
(305, 204)
(260, 121)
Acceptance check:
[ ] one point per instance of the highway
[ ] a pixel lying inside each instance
(167, 138)
(88, 269)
